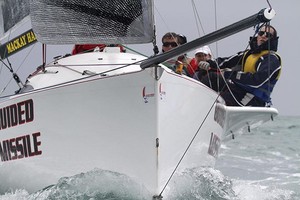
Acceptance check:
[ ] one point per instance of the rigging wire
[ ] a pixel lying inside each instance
(134, 51)
(217, 49)
(161, 18)
(269, 46)
(1, 68)
(203, 121)
(6, 65)
(96, 74)
(269, 62)
(216, 25)
(179, 162)
(188, 147)
(197, 25)
(9, 66)
(197, 19)
(269, 5)
(25, 58)
(223, 78)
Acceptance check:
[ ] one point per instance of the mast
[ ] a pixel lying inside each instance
(264, 15)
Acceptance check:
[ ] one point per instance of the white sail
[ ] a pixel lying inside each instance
(90, 21)
(12, 14)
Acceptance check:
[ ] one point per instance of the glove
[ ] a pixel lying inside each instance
(204, 65)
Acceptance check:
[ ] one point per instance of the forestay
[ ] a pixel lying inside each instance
(90, 21)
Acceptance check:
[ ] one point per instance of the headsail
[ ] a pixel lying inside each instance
(12, 12)
(90, 21)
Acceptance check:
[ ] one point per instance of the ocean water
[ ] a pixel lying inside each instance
(263, 164)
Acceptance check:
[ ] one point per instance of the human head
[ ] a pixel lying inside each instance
(181, 39)
(203, 54)
(169, 41)
(266, 32)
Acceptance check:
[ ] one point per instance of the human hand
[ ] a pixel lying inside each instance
(204, 65)
(179, 67)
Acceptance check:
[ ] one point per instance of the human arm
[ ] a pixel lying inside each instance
(267, 69)
(227, 62)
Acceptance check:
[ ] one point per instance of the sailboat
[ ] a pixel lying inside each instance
(110, 110)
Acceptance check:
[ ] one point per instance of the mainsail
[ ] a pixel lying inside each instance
(90, 21)
(12, 12)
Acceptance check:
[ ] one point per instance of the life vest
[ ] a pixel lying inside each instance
(249, 65)
(249, 61)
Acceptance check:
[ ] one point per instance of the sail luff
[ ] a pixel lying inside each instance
(264, 15)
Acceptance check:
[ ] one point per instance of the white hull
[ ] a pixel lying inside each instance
(137, 123)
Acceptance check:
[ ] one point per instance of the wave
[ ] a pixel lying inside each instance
(196, 184)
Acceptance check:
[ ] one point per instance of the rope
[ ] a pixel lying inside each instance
(205, 118)
(186, 150)
(226, 84)
(134, 51)
(4, 88)
(217, 49)
(269, 5)
(269, 61)
(197, 18)
(192, 140)
(97, 74)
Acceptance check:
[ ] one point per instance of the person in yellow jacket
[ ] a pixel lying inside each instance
(250, 75)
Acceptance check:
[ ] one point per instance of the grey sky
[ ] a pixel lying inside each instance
(178, 16)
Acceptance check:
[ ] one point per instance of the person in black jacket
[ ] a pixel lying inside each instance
(250, 75)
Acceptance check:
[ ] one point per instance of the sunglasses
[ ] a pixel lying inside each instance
(172, 44)
(268, 34)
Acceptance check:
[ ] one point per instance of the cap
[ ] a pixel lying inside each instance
(204, 49)
(182, 39)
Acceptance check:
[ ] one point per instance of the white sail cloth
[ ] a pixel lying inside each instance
(90, 21)
(12, 14)
(81, 22)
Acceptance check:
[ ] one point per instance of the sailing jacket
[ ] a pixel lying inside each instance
(256, 70)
